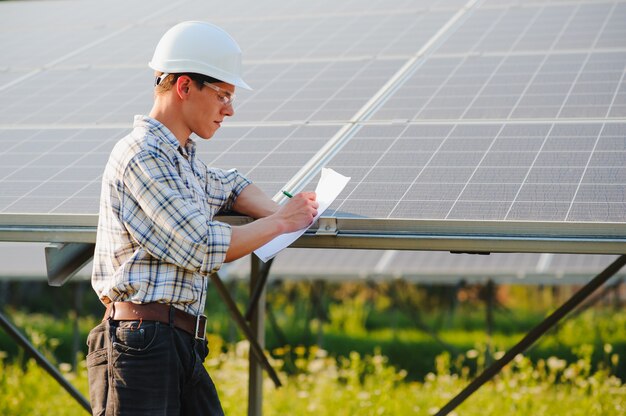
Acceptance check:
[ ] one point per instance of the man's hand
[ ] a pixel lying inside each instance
(298, 212)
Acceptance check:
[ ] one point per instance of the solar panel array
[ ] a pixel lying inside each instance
(430, 267)
(27, 261)
(497, 171)
(451, 109)
(66, 102)
(518, 115)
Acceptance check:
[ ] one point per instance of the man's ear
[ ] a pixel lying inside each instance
(183, 86)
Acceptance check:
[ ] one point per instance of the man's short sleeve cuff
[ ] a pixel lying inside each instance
(218, 241)
(240, 184)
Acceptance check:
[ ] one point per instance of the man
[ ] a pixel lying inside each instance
(157, 238)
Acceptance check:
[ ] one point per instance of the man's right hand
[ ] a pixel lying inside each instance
(298, 212)
(295, 215)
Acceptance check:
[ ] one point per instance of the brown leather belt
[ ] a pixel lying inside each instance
(129, 311)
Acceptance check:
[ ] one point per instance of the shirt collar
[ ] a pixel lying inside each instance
(159, 129)
(190, 148)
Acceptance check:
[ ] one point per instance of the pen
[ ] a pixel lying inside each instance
(287, 194)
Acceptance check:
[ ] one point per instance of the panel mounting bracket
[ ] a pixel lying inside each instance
(64, 260)
(327, 226)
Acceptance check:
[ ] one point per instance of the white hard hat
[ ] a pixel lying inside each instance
(201, 48)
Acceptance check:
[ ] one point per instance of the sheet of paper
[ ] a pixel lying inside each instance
(328, 189)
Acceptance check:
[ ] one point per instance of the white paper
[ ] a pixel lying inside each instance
(328, 189)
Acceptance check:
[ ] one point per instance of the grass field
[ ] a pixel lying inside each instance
(374, 361)
(364, 385)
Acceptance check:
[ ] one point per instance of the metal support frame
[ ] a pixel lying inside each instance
(256, 317)
(259, 273)
(534, 334)
(20, 339)
(255, 347)
(64, 260)
(255, 333)
(78, 302)
(375, 233)
(318, 287)
(490, 293)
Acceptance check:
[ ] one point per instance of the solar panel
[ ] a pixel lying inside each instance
(496, 171)
(440, 110)
(70, 94)
(297, 92)
(59, 170)
(486, 127)
(553, 86)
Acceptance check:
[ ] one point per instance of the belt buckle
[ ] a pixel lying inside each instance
(200, 332)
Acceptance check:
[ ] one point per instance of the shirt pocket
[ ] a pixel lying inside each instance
(190, 190)
(216, 197)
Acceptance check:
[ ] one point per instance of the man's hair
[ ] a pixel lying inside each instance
(166, 83)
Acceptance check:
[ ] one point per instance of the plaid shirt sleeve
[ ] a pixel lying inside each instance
(164, 218)
(232, 183)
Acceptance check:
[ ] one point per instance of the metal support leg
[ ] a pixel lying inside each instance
(78, 308)
(257, 318)
(490, 303)
(318, 290)
(243, 326)
(262, 271)
(534, 334)
(17, 336)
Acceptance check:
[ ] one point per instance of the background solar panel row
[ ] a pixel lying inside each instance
(429, 267)
(26, 261)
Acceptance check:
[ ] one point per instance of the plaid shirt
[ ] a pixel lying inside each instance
(157, 240)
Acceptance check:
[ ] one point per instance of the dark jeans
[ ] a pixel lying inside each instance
(148, 369)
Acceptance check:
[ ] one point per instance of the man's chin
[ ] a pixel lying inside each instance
(205, 136)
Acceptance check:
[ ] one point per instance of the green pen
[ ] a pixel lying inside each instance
(287, 194)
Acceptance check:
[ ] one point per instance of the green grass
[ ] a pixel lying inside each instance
(29, 390)
(377, 359)
(405, 346)
(364, 385)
